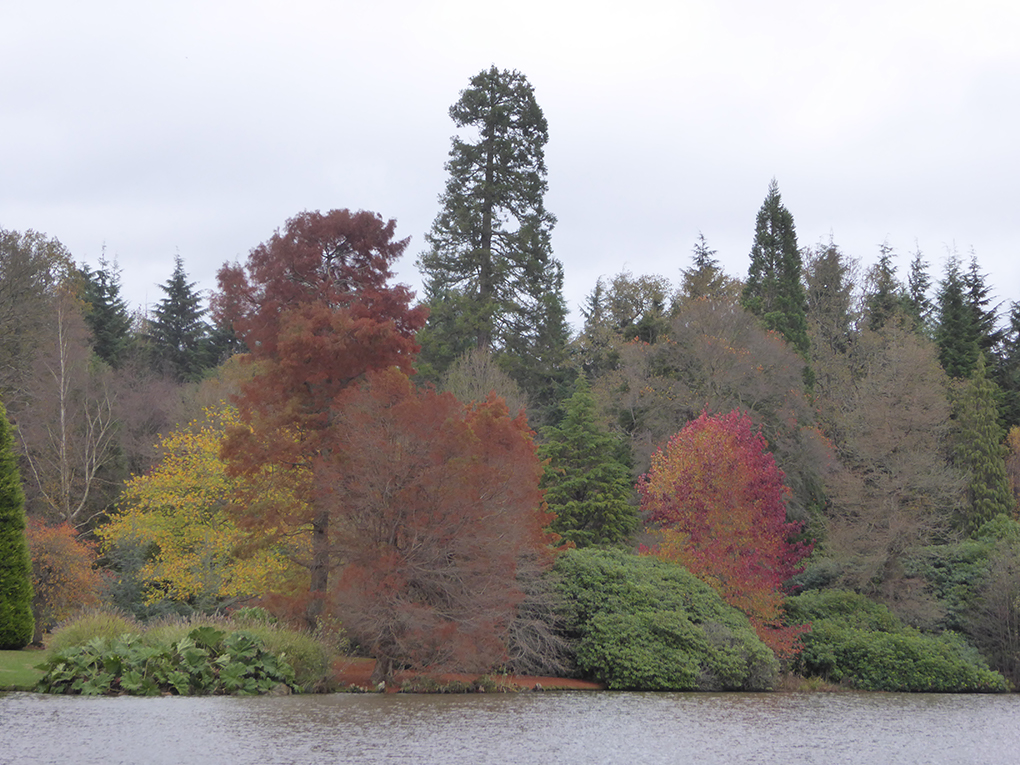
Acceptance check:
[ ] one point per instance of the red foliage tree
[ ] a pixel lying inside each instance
(315, 310)
(438, 508)
(63, 576)
(718, 498)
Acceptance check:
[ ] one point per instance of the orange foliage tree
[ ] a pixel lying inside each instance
(314, 309)
(437, 511)
(717, 498)
(63, 577)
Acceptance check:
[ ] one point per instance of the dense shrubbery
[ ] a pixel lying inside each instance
(107, 653)
(858, 642)
(644, 624)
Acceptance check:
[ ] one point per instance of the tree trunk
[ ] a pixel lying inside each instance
(319, 568)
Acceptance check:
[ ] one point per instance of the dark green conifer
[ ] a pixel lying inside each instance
(956, 331)
(883, 299)
(177, 332)
(981, 452)
(107, 313)
(16, 621)
(490, 278)
(587, 484)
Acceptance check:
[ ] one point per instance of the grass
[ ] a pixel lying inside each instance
(17, 669)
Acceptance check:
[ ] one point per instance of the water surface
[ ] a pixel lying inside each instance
(525, 729)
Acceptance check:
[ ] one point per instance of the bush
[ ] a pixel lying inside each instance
(860, 643)
(644, 624)
(95, 623)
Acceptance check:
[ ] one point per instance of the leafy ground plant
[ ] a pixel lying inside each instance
(206, 661)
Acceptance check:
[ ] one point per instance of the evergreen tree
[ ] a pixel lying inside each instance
(16, 621)
(704, 278)
(107, 315)
(774, 291)
(883, 298)
(979, 298)
(177, 331)
(981, 452)
(918, 304)
(1007, 373)
(956, 332)
(587, 483)
(490, 278)
(830, 283)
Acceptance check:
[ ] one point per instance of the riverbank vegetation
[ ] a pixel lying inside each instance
(810, 468)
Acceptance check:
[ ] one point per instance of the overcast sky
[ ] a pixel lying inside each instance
(156, 128)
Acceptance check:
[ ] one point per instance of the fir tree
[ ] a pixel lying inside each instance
(981, 452)
(107, 315)
(883, 298)
(979, 298)
(16, 621)
(774, 291)
(831, 315)
(1007, 373)
(918, 303)
(704, 278)
(587, 483)
(956, 332)
(177, 331)
(490, 278)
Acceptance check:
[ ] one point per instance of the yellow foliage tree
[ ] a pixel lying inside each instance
(179, 511)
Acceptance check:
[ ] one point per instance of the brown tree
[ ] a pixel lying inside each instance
(314, 308)
(435, 508)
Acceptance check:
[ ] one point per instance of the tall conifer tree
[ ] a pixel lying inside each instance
(177, 331)
(956, 331)
(107, 314)
(490, 278)
(981, 451)
(16, 621)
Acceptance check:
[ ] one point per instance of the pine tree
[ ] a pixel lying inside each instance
(16, 621)
(177, 331)
(883, 298)
(704, 278)
(956, 332)
(774, 291)
(490, 278)
(587, 484)
(107, 315)
(981, 452)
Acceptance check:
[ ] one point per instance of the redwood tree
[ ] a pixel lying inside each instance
(437, 510)
(314, 308)
(718, 499)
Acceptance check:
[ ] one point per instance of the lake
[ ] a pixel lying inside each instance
(526, 728)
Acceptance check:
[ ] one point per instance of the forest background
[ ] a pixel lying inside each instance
(888, 395)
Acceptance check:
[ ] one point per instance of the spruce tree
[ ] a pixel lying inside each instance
(16, 622)
(883, 299)
(956, 331)
(177, 332)
(107, 313)
(490, 278)
(981, 452)
(587, 483)
(918, 304)
(1007, 373)
(704, 279)
(774, 291)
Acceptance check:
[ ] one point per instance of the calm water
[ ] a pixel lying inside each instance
(632, 728)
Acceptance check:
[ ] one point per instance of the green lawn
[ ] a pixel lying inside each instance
(17, 669)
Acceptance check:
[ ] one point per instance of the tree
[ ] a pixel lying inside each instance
(587, 484)
(490, 277)
(1007, 373)
(64, 578)
(178, 513)
(107, 314)
(314, 309)
(704, 279)
(435, 507)
(918, 304)
(831, 279)
(177, 331)
(774, 291)
(476, 375)
(30, 267)
(719, 502)
(956, 331)
(981, 453)
(883, 298)
(16, 622)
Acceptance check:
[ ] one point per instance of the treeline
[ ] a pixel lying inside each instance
(302, 452)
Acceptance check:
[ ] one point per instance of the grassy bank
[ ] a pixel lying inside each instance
(17, 669)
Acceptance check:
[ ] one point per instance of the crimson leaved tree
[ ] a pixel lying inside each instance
(314, 308)
(438, 516)
(717, 499)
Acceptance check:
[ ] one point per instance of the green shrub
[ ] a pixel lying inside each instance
(858, 642)
(644, 624)
(17, 624)
(206, 661)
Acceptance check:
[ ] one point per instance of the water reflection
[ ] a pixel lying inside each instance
(523, 728)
